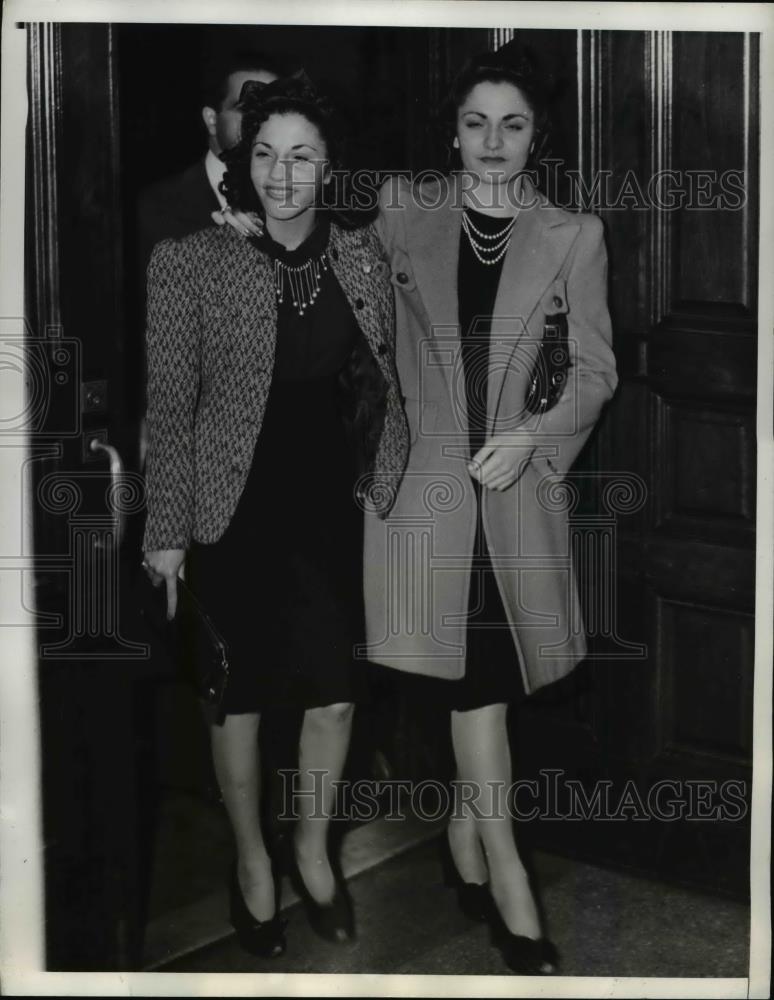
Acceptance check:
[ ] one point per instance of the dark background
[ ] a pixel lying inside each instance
(364, 70)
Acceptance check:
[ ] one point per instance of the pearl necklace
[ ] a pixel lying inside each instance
(497, 241)
(303, 281)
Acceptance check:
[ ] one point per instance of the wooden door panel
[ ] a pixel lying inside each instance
(683, 301)
(703, 684)
(718, 361)
(705, 462)
(711, 136)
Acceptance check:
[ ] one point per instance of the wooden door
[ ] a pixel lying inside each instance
(668, 123)
(95, 668)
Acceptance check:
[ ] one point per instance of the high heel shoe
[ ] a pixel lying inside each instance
(473, 898)
(523, 955)
(333, 921)
(263, 938)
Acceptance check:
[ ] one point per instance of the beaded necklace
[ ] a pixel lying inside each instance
(495, 243)
(303, 281)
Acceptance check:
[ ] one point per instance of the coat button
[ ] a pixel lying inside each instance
(402, 277)
(382, 349)
(359, 303)
(557, 302)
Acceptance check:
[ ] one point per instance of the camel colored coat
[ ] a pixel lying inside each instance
(418, 560)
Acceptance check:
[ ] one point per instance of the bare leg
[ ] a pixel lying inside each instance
(482, 752)
(235, 756)
(465, 844)
(323, 749)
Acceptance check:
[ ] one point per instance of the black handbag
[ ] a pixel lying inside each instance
(549, 373)
(191, 640)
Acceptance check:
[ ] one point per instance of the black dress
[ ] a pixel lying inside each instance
(492, 673)
(284, 582)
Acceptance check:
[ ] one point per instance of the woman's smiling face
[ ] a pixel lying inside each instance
(288, 165)
(495, 129)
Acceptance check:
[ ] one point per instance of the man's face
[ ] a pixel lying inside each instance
(223, 124)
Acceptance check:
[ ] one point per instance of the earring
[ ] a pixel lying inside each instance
(456, 143)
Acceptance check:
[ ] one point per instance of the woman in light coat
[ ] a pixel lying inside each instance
(469, 580)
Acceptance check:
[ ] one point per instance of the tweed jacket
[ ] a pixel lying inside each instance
(211, 336)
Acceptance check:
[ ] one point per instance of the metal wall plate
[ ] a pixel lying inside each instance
(94, 396)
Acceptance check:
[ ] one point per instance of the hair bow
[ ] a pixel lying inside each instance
(297, 85)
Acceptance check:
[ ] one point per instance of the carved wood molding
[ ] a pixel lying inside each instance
(592, 67)
(500, 36)
(751, 168)
(45, 102)
(658, 78)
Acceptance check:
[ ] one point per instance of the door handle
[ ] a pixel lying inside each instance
(116, 483)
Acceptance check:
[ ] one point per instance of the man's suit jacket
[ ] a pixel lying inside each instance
(172, 208)
(211, 336)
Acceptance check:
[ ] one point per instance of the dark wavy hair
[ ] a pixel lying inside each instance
(294, 94)
(520, 69)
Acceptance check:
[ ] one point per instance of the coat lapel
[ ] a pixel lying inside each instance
(247, 280)
(369, 297)
(434, 248)
(541, 240)
(350, 279)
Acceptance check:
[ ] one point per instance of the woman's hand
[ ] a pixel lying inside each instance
(245, 223)
(501, 461)
(163, 567)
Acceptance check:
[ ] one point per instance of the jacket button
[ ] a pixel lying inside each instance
(557, 302)
(382, 349)
(359, 303)
(402, 277)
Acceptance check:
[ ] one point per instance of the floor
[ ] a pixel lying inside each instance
(604, 922)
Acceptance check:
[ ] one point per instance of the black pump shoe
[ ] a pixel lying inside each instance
(333, 921)
(473, 898)
(523, 955)
(263, 938)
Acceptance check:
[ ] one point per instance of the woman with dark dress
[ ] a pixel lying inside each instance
(271, 389)
(482, 265)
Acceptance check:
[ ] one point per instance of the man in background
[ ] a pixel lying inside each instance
(179, 205)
